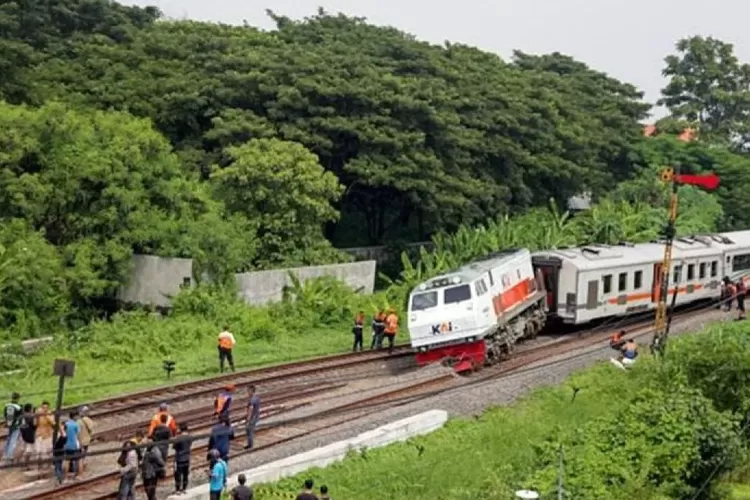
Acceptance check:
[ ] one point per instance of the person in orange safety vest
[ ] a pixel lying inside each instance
(616, 340)
(223, 401)
(378, 326)
(226, 344)
(359, 324)
(391, 328)
(156, 421)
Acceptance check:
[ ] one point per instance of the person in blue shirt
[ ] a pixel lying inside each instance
(72, 443)
(218, 475)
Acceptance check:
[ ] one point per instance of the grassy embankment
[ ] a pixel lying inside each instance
(127, 353)
(625, 435)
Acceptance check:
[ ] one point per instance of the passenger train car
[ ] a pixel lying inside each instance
(475, 314)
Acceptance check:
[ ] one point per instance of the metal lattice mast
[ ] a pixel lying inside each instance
(660, 323)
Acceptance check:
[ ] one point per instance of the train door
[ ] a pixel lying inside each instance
(592, 298)
(656, 288)
(549, 267)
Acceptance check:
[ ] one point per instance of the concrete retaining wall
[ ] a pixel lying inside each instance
(401, 430)
(153, 280)
(382, 253)
(260, 287)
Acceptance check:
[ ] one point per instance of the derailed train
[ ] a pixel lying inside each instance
(474, 315)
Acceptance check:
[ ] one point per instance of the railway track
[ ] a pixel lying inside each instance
(267, 436)
(129, 403)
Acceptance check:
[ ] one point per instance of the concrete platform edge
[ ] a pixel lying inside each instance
(401, 430)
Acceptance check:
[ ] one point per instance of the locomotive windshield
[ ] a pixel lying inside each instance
(456, 294)
(422, 301)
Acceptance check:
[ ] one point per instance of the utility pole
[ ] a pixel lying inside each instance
(62, 368)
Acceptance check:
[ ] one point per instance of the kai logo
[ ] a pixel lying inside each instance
(442, 328)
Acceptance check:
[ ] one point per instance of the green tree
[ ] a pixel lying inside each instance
(281, 185)
(97, 184)
(709, 87)
(33, 291)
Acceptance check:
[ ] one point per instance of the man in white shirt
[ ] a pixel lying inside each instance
(226, 344)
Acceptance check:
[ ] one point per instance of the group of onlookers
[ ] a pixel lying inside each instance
(34, 428)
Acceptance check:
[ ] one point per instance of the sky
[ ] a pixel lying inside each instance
(627, 39)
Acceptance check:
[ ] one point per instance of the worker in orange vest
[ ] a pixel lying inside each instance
(391, 328)
(226, 344)
(359, 324)
(223, 401)
(156, 421)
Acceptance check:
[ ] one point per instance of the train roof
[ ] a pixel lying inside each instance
(591, 257)
(476, 268)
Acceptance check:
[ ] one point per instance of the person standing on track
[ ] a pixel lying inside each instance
(156, 420)
(128, 462)
(13, 414)
(28, 433)
(182, 446)
(252, 417)
(151, 466)
(72, 443)
(378, 326)
(45, 424)
(221, 434)
(741, 292)
(161, 436)
(359, 324)
(86, 426)
(223, 401)
(226, 344)
(391, 328)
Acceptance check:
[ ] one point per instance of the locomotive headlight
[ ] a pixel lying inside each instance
(456, 280)
(413, 317)
(422, 287)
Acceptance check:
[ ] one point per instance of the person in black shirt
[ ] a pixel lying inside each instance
(58, 455)
(28, 432)
(242, 492)
(307, 493)
(182, 445)
(162, 435)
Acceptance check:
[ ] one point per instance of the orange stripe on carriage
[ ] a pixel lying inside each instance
(633, 297)
(512, 296)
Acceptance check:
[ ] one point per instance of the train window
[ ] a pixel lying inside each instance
(622, 282)
(741, 262)
(456, 294)
(637, 280)
(702, 270)
(480, 288)
(714, 268)
(691, 272)
(422, 301)
(607, 284)
(677, 275)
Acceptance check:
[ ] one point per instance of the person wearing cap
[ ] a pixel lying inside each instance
(156, 420)
(219, 472)
(86, 431)
(223, 401)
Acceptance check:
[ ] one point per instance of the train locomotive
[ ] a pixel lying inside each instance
(476, 314)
